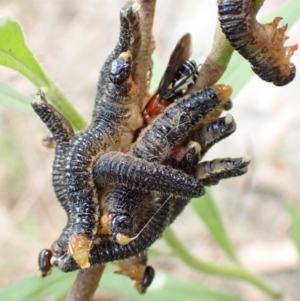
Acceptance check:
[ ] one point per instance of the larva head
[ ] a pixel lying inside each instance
(44, 262)
(121, 68)
(147, 279)
(286, 70)
(79, 248)
(227, 105)
(121, 228)
(224, 92)
(284, 80)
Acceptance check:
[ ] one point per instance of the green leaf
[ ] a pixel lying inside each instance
(295, 224)
(12, 98)
(207, 210)
(33, 288)
(239, 71)
(165, 287)
(15, 54)
(227, 271)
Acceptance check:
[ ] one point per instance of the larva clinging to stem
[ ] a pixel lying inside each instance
(261, 44)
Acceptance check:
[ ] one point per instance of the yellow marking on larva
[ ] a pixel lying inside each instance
(79, 249)
(125, 56)
(125, 240)
(195, 145)
(136, 7)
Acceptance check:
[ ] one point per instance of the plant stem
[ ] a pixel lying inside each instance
(86, 284)
(217, 269)
(143, 62)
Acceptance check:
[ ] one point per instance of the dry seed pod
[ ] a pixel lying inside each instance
(261, 44)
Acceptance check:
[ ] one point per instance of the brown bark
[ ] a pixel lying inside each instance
(86, 284)
(143, 62)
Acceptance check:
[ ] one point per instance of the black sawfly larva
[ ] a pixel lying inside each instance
(261, 44)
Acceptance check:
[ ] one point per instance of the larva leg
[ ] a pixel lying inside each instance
(48, 142)
(63, 135)
(211, 172)
(261, 44)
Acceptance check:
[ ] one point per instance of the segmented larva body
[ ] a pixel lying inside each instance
(116, 117)
(105, 250)
(261, 44)
(143, 176)
(63, 135)
(119, 118)
(107, 136)
(156, 142)
(153, 210)
(140, 168)
(153, 146)
(137, 176)
(129, 40)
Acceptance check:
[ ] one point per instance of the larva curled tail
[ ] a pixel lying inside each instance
(261, 44)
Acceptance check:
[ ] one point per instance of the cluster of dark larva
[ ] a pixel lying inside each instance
(120, 192)
(261, 44)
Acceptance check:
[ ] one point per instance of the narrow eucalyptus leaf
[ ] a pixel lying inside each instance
(207, 210)
(15, 54)
(12, 98)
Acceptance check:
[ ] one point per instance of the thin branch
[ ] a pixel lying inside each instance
(143, 63)
(86, 284)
